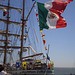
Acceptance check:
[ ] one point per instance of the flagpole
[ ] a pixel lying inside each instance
(22, 31)
(35, 34)
(47, 52)
(46, 59)
(48, 48)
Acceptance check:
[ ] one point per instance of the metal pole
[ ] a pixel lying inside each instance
(48, 48)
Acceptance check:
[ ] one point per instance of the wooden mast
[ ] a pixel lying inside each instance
(23, 22)
(6, 44)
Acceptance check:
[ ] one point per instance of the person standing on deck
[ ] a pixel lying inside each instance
(2, 70)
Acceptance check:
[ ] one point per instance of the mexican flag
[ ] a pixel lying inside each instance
(50, 14)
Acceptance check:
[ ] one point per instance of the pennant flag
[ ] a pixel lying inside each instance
(50, 14)
(24, 38)
(25, 25)
(48, 66)
(24, 65)
(5, 12)
(41, 31)
(26, 30)
(45, 48)
(43, 36)
(44, 42)
(25, 35)
(48, 57)
(17, 64)
(36, 14)
(37, 20)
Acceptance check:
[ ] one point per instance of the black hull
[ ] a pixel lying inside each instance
(32, 72)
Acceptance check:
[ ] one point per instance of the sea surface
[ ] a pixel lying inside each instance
(64, 71)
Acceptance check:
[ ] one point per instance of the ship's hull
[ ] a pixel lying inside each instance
(32, 72)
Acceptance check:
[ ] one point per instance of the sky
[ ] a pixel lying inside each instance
(61, 40)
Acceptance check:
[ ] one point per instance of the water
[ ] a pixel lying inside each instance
(64, 71)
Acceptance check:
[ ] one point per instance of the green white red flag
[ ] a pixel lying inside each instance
(50, 14)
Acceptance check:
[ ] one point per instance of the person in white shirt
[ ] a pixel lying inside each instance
(2, 70)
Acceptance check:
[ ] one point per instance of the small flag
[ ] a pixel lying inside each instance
(48, 65)
(44, 42)
(41, 31)
(37, 20)
(43, 36)
(45, 48)
(17, 64)
(36, 14)
(25, 25)
(48, 57)
(5, 12)
(25, 35)
(26, 30)
(24, 38)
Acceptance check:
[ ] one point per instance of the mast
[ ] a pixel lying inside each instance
(23, 22)
(22, 31)
(47, 53)
(6, 44)
(6, 49)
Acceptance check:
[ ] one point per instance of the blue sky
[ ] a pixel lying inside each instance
(61, 40)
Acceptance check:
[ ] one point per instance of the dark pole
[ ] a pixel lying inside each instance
(6, 42)
(48, 48)
(23, 22)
